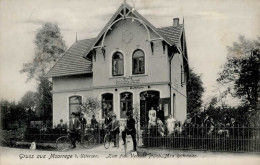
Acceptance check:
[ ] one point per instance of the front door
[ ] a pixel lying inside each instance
(148, 100)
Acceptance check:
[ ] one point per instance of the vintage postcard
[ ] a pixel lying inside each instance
(130, 82)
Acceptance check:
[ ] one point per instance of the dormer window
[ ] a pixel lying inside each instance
(138, 62)
(118, 64)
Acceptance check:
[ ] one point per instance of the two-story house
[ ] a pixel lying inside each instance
(130, 65)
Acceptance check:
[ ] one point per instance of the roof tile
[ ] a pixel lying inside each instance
(72, 62)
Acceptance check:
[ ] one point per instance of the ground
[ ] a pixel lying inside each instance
(112, 155)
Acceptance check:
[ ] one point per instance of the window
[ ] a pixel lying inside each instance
(118, 64)
(107, 103)
(182, 76)
(138, 62)
(74, 104)
(126, 103)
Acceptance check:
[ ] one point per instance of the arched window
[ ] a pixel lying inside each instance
(107, 103)
(118, 64)
(126, 103)
(138, 62)
(74, 104)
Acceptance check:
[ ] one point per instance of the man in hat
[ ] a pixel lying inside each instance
(107, 121)
(74, 127)
(129, 129)
(83, 122)
(115, 124)
(62, 127)
(94, 123)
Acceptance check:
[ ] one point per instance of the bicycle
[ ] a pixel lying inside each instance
(108, 138)
(63, 143)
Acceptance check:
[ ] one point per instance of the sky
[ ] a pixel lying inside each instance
(210, 26)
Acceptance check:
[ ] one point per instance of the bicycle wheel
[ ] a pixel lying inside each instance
(107, 141)
(88, 141)
(63, 143)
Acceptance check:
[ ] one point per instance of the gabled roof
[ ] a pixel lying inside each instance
(114, 17)
(72, 62)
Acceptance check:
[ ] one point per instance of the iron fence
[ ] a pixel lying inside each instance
(232, 139)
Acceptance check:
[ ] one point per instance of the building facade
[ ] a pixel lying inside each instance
(130, 66)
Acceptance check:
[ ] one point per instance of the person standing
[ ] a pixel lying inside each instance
(170, 124)
(74, 126)
(94, 123)
(130, 130)
(62, 127)
(115, 124)
(83, 122)
(160, 114)
(152, 118)
(107, 122)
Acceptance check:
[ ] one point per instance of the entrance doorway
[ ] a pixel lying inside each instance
(148, 99)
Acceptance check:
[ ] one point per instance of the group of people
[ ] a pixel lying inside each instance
(156, 120)
(204, 123)
(77, 126)
(113, 125)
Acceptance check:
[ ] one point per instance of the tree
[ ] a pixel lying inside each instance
(91, 106)
(240, 74)
(44, 99)
(49, 46)
(12, 115)
(195, 90)
(29, 101)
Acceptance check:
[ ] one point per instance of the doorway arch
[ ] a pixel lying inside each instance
(148, 99)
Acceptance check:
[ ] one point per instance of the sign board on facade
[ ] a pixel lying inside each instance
(128, 80)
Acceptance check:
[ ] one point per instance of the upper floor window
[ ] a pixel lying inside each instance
(138, 62)
(118, 64)
(74, 104)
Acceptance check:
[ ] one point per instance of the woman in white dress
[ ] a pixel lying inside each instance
(170, 124)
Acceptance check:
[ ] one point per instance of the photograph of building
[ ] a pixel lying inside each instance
(130, 64)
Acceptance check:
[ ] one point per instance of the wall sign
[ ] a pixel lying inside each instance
(136, 87)
(128, 80)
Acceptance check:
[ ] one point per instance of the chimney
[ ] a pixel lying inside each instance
(175, 21)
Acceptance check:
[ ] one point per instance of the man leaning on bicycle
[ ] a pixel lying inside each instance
(74, 127)
(114, 128)
(129, 129)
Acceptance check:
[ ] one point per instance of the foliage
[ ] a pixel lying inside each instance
(223, 114)
(241, 71)
(13, 115)
(29, 101)
(49, 46)
(240, 74)
(44, 99)
(91, 106)
(195, 90)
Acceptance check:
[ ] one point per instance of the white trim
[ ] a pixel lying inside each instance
(112, 86)
(119, 19)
